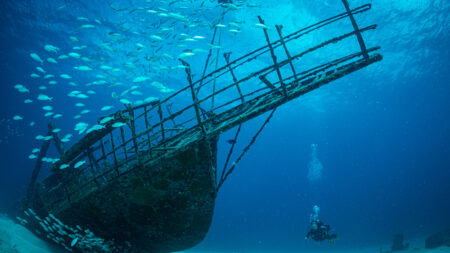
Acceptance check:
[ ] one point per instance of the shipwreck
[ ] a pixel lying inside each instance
(150, 185)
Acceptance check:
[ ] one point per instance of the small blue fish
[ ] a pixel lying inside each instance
(78, 164)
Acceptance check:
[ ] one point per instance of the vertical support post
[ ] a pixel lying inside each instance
(105, 164)
(133, 134)
(91, 165)
(122, 134)
(194, 97)
(148, 134)
(170, 115)
(161, 121)
(357, 32)
(274, 57)
(146, 117)
(227, 59)
(114, 153)
(279, 28)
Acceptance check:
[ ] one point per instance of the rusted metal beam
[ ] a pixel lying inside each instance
(149, 141)
(91, 165)
(122, 135)
(170, 114)
(102, 144)
(267, 82)
(274, 57)
(194, 97)
(279, 28)
(133, 133)
(161, 119)
(114, 152)
(357, 32)
(227, 59)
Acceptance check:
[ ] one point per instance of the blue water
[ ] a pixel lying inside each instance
(382, 133)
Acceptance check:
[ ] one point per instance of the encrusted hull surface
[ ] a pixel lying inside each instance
(165, 207)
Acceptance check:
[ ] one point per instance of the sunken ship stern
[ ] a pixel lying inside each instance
(162, 207)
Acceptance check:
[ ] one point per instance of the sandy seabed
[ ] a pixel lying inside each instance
(15, 238)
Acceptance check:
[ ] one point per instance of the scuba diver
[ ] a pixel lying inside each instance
(319, 231)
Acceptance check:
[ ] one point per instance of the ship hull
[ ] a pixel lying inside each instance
(164, 207)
